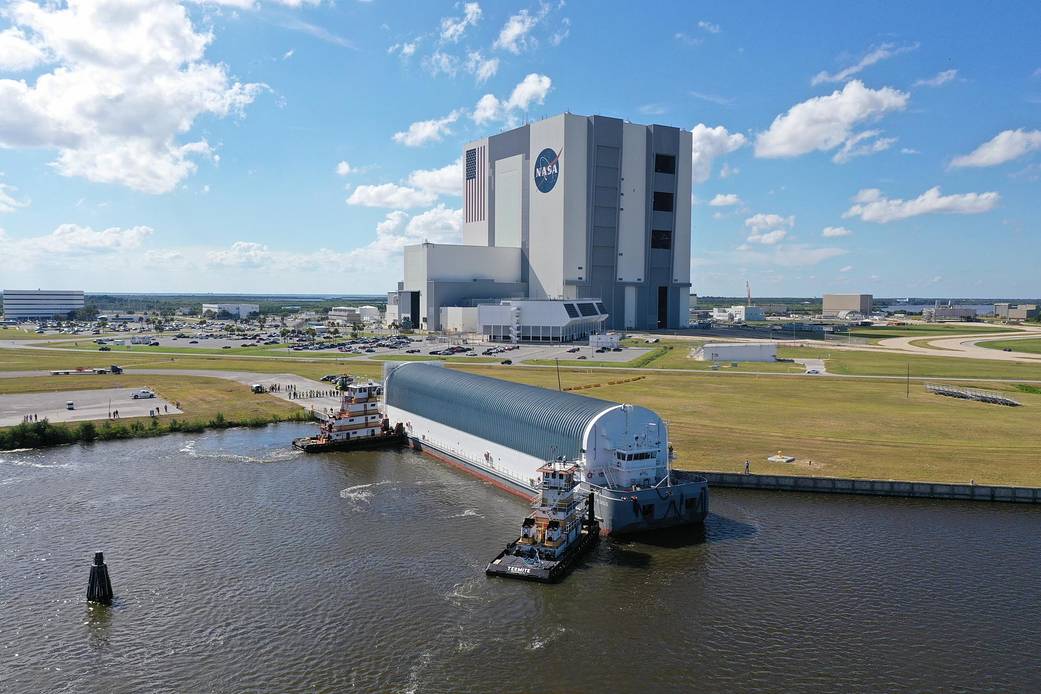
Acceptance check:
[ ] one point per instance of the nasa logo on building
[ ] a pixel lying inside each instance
(547, 168)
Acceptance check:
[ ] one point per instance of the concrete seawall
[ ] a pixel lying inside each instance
(843, 485)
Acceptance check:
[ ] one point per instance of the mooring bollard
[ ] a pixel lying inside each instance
(99, 588)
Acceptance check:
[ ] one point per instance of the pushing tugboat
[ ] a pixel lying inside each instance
(559, 530)
(359, 424)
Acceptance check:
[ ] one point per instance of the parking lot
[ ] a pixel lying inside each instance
(88, 404)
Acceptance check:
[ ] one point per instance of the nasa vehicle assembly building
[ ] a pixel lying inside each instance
(567, 208)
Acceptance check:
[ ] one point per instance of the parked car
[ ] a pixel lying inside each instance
(193, 342)
(104, 348)
(507, 362)
(142, 394)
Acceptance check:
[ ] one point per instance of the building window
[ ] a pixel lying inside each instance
(665, 163)
(661, 238)
(662, 202)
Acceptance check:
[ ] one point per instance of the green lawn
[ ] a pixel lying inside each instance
(854, 428)
(880, 363)
(881, 332)
(1030, 346)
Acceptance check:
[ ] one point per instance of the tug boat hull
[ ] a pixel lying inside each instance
(313, 444)
(509, 565)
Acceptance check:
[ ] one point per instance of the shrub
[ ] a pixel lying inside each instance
(87, 432)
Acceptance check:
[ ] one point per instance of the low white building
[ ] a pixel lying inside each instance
(738, 314)
(236, 310)
(460, 319)
(345, 315)
(541, 320)
(369, 314)
(736, 351)
(606, 340)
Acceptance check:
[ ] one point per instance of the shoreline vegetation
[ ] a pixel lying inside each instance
(44, 434)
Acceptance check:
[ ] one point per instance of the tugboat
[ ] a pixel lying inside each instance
(359, 424)
(556, 533)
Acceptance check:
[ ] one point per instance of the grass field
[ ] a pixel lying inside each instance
(1030, 346)
(19, 334)
(850, 428)
(935, 330)
(879, 363)
(201, 398)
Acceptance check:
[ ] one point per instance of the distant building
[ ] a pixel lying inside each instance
(460, 319)
(1017, 311)
(774, 309)
(541, 320)
(854, 304)
(236, 310)
(736, 351)
(738, 314)
(605, 340)
(20, 304)
(369, 314)
(345, 315)
(936, 314)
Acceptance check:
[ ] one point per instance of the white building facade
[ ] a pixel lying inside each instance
(736, 351)
(738, 314)
(567, 208)
(20, 304)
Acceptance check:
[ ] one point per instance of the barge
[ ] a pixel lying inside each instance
(359, 424)
(559, 530)
(503, 432)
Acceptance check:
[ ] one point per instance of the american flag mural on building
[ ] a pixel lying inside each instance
(475, 181)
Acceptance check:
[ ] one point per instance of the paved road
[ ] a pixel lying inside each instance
(967, 346)
(89, 404)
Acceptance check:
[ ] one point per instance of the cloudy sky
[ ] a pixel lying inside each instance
(297, 145)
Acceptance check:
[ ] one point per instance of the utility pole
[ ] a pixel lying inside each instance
(557, 362)
(908, 394)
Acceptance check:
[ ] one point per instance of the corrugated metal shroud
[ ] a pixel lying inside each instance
(542, 423)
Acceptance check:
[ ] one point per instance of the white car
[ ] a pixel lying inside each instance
(142, 394)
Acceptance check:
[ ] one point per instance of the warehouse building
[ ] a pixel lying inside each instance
(1017, 311)
(847, 305)
(236, 310)
(567, 208)
(22, 304)
(737, 314)
(736, 351)
(937, 314)
(345, 315)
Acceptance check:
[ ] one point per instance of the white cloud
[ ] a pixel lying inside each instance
(426, 131)
(1003, 147)
(8, 201)
(726, 171)
(886, 50)
(406, 50)
(652, 109)
(782, 255)
(69, 242)
(242, 254)
(288, 54)
(390, 195)
(531, 90)
(562, 32)
(480, 67)
(17, 52)
(710, 143)
(871, 206)
(514, 36)
(845, 268)
(768, 238)
(725, 200)
(448, 180)
(825, 122)
(343, 168)
(453, 28)
(835, 232)
(761, 222)
(909, 150)
(127, 81)
(441, 63)
(937, 80)
(708, 26)
(863, 144)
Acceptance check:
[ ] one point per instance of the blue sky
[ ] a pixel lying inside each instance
(296, 146)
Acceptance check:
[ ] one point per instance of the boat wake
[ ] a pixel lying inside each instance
(362, 492)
